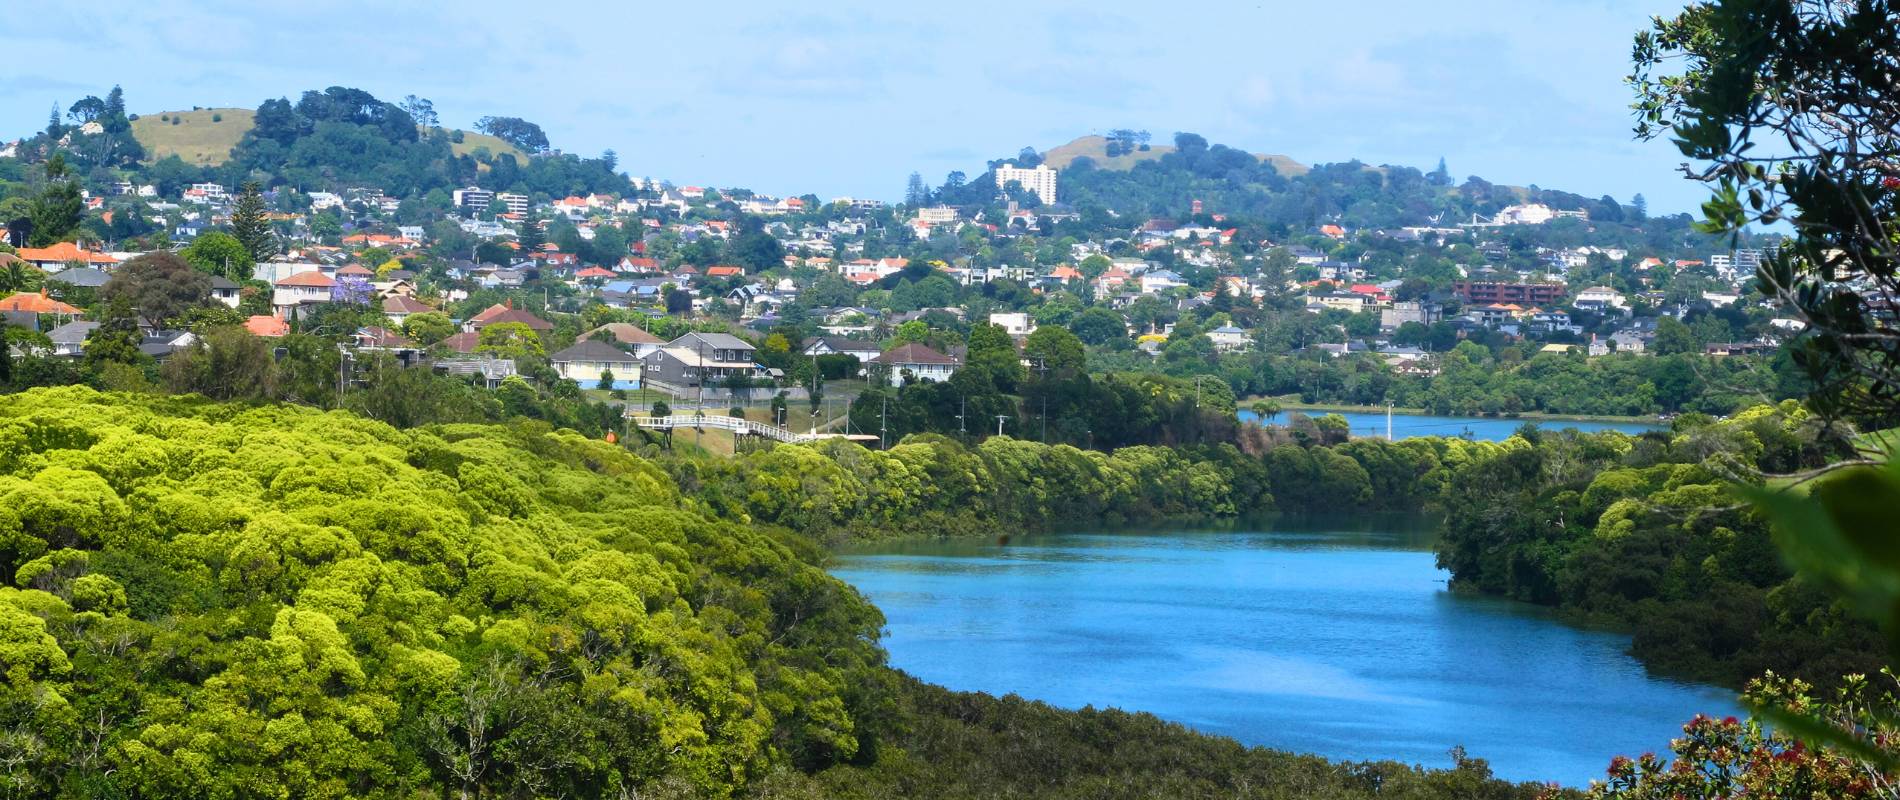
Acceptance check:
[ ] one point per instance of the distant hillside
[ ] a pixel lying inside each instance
(195, 137)
(1096, 148)
(200, 141)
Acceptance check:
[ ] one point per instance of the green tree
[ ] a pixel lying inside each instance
(250, 225)
(511, 340)
(219, 253)
(531, 237)
(227, 363)
(160, 285)
(1056, 350)
(1098, 326)
(1674, 337)
(606, 381)
(116, 340)
(58, 209)
(428, 328)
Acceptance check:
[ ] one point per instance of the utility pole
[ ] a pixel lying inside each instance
(1388, 422)
(963, 406)
(699, 391)
(1042, 388)
(999, 424)
(883, 424)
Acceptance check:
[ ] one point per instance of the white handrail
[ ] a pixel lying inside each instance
(736, 424)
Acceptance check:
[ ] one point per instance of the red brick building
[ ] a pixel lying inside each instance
(1493, 293)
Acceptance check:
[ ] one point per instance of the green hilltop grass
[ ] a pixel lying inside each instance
(199, 140)
(196, 138)
(1096, 148)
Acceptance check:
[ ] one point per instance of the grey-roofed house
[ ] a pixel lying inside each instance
(82, 277)
(838, 345)
(70, 339)
(697, 357)
(224, 290)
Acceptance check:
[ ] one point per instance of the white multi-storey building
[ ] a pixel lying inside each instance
(1041, 180)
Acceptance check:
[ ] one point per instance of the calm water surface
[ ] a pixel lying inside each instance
(1406, 426)
(1324, 639)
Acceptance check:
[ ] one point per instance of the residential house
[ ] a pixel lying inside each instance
(401, 307)
(1409, 311)
(628, 335)
(1344, 301)
(266, 326)
(917, 362)
(224, 290)
(80, 277)
(54, 258)
(588, 359)
(840, 346)
(697, 358)
(1160, 280)
(37, 303)
(70, 339)
(491, 371)
(506, 312)
(1600, 298)
(1016, 324)
(301, 289)
(1228, 338)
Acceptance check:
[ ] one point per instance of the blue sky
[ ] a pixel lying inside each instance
(850, 97)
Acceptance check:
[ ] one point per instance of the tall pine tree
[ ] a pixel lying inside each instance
(250, 227)
(58, 210)
(532, 237)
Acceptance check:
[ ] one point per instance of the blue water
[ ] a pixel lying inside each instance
(1343, 643)
(1495, 429)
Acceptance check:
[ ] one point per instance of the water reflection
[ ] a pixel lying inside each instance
(1334, 636)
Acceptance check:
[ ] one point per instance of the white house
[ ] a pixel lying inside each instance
(300, 289)
(1015, 323)
(584, 363)
(920, 362)
(1229, 338)
(1600, 297)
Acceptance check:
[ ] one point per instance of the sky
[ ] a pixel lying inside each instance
(847, 98)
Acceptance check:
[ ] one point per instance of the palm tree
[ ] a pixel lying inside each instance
(17, 276)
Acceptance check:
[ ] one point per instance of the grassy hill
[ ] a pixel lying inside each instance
(206, 136)
(471, 141)
(1096, 148)
(195, 137)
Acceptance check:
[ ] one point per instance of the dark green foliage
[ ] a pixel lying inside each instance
(344, 137)
(249, 225)
(1645, 536)
(954, 745)
(57, 210)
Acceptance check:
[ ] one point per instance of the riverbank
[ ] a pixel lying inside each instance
(1527, 416)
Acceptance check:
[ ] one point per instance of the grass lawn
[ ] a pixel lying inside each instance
(196, 138)
(200, 141)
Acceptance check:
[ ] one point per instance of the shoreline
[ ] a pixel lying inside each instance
(1528, 416)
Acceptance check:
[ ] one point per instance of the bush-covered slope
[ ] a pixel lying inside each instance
(222, 601)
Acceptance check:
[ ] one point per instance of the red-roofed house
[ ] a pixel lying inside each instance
(267, 326)
(303, 288)
(594, 274)
(724, 271)
(639, 264)
(55, 257)
(401, 307)
(36, 303)
(500, 313)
